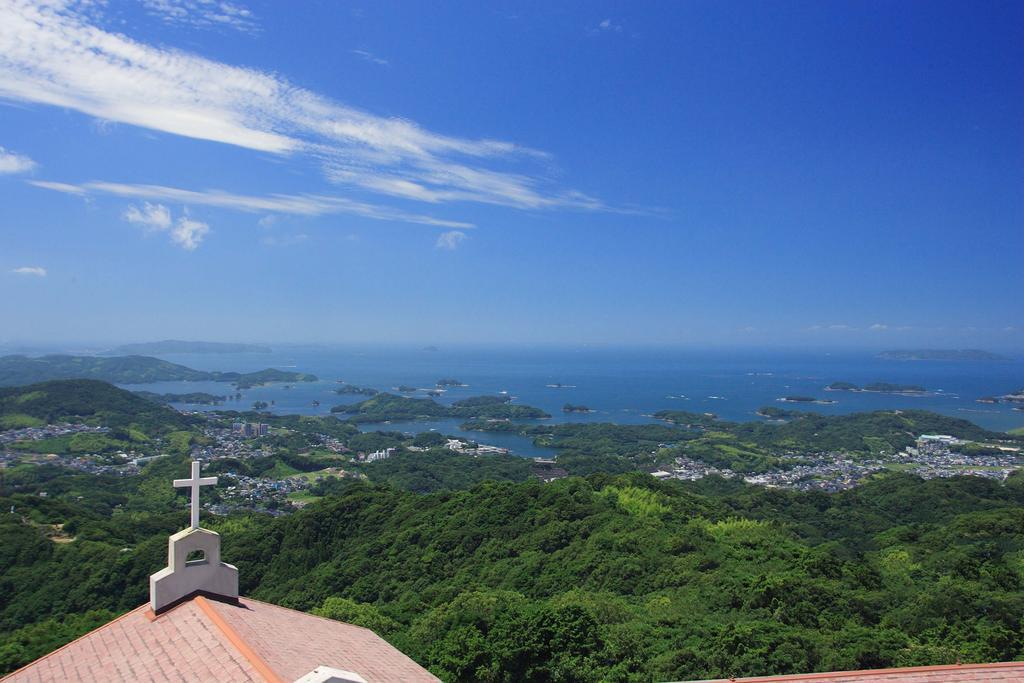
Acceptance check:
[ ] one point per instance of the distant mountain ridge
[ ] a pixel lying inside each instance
(178, 346)
(16, 370)
(940, 354)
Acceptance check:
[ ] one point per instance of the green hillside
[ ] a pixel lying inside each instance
(605, 578)
(89, 401)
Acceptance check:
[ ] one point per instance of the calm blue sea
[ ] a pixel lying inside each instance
(624, 386)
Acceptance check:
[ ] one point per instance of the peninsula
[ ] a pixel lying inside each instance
(177, 346)
(940, 354)
(805, 399)
(391, 408)
(16, 370)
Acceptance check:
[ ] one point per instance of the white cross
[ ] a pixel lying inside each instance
(194, 483)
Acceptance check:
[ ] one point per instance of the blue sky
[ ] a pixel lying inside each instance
(698, 173)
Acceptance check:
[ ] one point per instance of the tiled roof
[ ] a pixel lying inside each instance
(1004, 672)
(209, 640)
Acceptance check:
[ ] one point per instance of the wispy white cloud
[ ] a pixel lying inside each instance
(150, 216)
(52, 53)
(879, 327)
(299, 205)
(284, 240)
(186, 232)
(14, 163)
(604, 26)
(450, 240)
(34, 271)
(367, 56)
(66, 188)
(203, 14)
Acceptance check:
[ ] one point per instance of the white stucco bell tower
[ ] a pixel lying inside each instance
(204, 573)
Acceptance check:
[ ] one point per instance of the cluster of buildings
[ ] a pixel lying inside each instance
(932, 456)
(228, 443)
(459, 446)
(256, 493)
(687, 469)
(547, 470)
(941, 455)
(250, 428)
(47, 432)
(382, 454)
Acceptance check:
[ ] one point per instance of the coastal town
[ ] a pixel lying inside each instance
(932, 456)
(228, 447)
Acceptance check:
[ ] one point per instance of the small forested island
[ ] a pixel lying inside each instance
(940, 354)
(449, 382)
(878, 388)
(19, 369)
(193, 398)
(406, 389)
(245, 380)
(805, 399)
(1012, 397)
(570, 408)
(391, 408)
(773, 413)
(169, 346)
(351, 389)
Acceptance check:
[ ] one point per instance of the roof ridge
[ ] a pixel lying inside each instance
(870, 672)
(72, 642)
(243, 648)
(309, 614)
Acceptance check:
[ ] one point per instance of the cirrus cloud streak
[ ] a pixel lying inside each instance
(53, 53)
(34, 271)
(298, 205)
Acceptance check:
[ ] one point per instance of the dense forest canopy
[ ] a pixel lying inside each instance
(87, 401)
(610, 577)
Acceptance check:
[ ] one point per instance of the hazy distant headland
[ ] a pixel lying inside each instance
(178, 346)
(940, 354)
(16, 370)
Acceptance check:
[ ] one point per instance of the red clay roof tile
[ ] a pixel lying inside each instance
(1003, 672)
(207, 640)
